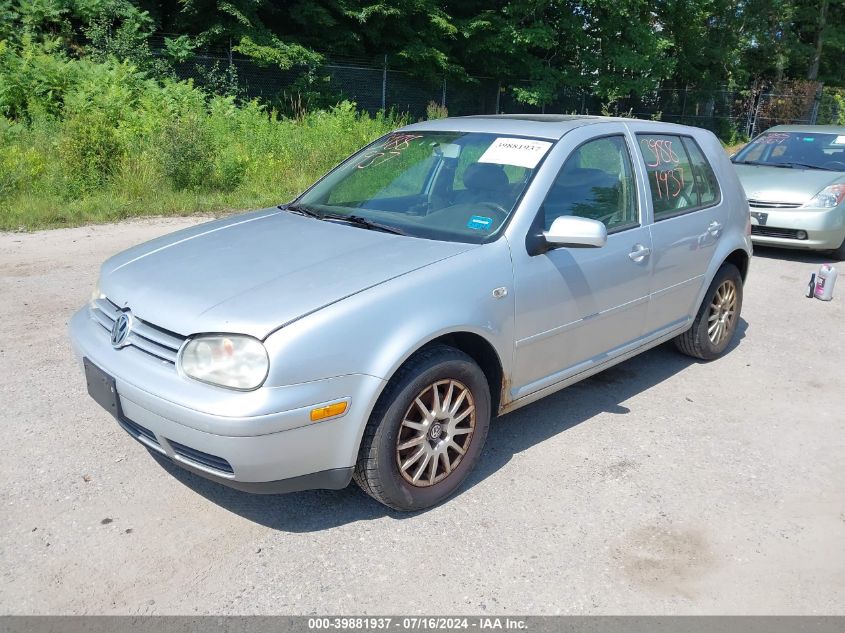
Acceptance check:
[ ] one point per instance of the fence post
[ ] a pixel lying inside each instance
(384, 85)
(443, 96)
(814, 114)
(684, 106)
(760, 103)
(498, 93)
(751, 123)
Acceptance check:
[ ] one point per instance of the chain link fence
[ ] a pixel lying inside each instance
(373, 85)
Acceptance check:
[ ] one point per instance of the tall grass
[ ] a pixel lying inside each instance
(84, 142)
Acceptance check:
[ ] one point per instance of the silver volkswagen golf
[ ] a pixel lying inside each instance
(450, 271)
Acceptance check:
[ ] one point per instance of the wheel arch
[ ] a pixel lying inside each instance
(474, 345)
(741, 260)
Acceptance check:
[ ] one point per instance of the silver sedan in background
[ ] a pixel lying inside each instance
(450, 271)
(794, 176)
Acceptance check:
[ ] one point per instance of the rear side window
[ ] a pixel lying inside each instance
(705, 180)
(680, 178)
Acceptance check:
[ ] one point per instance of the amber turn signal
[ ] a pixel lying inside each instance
(329, 411)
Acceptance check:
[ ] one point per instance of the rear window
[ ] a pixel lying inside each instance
(680, 178)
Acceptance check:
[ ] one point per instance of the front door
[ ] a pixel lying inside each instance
(576, 307)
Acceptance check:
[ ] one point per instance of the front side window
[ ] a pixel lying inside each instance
(453, 186)
(596, 182)
(802, 150)
(670, 176)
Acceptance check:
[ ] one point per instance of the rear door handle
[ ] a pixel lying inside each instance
(639, 253)
(715, 229)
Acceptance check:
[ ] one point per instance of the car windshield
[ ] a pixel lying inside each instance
(454, 186)
(806, 150)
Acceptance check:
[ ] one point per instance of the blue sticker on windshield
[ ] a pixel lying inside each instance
(480, 223)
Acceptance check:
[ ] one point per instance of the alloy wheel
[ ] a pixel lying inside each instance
(436, 432)
(722, 312)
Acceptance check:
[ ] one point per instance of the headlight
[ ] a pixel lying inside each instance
(828, 197)
(95, 293)
(237, 362)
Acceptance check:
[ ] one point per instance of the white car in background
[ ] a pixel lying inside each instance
(794, 176)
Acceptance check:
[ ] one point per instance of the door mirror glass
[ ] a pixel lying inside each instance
(573, 231)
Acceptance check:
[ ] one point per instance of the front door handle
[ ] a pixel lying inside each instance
(639, 253)
(715, 229)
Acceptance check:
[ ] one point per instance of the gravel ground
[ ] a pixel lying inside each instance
(662, 485)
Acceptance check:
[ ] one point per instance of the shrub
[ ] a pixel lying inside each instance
(435, 111)
(832, 107)
(84, 141)
(89, 151)
(187, 153)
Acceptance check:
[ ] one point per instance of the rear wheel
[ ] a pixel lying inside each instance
(427, 431)
(715, 323)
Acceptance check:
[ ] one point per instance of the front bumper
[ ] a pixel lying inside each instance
(825, 228)
(259, 441)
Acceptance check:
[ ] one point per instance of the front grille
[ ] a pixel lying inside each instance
(203, 459)
(773, 231)
(145, 336)
(766, 204)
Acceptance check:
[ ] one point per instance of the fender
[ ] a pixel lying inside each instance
(375, 331)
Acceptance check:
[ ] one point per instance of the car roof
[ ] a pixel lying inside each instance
(818, 129)
(550, 126)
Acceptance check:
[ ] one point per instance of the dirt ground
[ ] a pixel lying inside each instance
(662, 485)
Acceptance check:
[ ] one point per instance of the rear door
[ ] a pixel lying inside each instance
(688, 221)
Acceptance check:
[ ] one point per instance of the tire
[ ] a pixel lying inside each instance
(398, 420)
(698, 341)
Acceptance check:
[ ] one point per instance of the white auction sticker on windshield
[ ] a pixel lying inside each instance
(840, 140)
(515, 151)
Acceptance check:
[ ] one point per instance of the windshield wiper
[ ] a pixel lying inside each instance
(792, 164)
(301, 210)
(364, 223)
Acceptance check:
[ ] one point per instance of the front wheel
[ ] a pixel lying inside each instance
(715, 323)
(427, 431)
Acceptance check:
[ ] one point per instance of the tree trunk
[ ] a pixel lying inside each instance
(813, 73)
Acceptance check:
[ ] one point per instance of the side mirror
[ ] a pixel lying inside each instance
(575, 232)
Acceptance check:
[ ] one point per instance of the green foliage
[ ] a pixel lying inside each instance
(187, 153)
(88, 150)
(219, 79)
(94, 125)
(106, 142)
(832, 107)
(33, 79)
(179, 49)
(435, 111)
(535, 49)
(274, 52)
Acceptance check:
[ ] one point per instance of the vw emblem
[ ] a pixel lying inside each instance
(436, 431)
(120, 330)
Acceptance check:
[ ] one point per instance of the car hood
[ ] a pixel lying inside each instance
(254, 273)
(782, 184)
